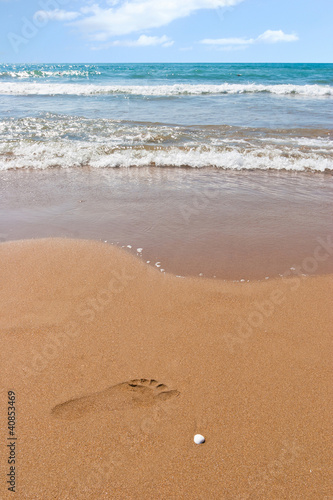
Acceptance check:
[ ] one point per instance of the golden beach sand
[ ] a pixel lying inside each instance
(116, 366)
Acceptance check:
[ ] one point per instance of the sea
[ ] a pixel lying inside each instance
(210, 170)
(226, 116)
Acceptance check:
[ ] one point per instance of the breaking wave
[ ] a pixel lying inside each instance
(32, 88)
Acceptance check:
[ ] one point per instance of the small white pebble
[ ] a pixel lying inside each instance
(129, 246)
(241, 280)
(267, 278)
(162, 270)
(200, 274)
(105, 241)
(139, 250)
(148, 261)
(199, 439)
(158, 264)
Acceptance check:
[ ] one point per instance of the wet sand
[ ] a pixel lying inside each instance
(232, 225)
(116, 366)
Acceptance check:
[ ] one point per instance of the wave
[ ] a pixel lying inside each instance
(53, 140)
(24, 154)
(31, 88)
(110, 132)
(41, 73)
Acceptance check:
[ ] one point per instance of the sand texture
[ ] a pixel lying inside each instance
(116, 366)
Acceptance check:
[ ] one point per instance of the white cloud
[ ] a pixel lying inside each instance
(137, 15)
(144, 41)
(276, 36)
(268, 37)
(57, 15)
(228, 41)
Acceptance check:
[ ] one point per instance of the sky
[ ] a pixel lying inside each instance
(74, 31)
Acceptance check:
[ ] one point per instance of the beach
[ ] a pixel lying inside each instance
(166, 270)
(247, 365)
(188, 222)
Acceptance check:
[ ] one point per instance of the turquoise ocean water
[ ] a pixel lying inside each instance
(228, 116)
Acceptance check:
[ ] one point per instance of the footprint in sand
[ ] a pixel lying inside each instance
(135, 393)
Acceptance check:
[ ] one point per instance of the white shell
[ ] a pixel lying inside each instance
(199, 439)
(139, 250)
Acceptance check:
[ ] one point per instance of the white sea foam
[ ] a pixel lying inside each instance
(31, 88)
(40, 73)
(117, 134)
(68, 141)
(67, 154)
(322, 143)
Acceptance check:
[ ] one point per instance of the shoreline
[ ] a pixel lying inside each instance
(82, 319)
(228, 225)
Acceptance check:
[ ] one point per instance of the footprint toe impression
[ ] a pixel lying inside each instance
(137, 392)
(150, 391)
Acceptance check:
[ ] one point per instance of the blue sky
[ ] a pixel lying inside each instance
(166, 31)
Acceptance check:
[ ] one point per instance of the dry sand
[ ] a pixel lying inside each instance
(116, 366)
